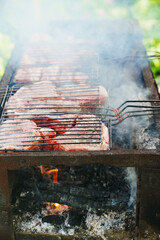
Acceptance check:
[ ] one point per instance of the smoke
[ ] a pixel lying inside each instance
(131, 177)
(120, 73)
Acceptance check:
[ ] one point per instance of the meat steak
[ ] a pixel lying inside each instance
(87, 97)
(98, 97)
(35, 74)
(30, 96)
(28, 74)
(20, 135)
(88, 134)
(60, 123)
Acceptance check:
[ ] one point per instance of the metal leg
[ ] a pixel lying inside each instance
(6, 224)
(149, 202)
(138, 232)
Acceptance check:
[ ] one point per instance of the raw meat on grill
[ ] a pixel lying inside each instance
(41, 95)
(60, 123)
(42, 59)
(20, 135)
(51, 73)
(87, 97)
(48, 134)
(30, 96)
(88, 134)
(32, 102)
(49, 118)
(37, 90)
(100, 98)
(34, 74)
(28, 74)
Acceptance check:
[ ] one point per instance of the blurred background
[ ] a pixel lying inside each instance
(19, 17)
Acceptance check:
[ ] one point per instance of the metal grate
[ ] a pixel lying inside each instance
(71, 122)
(72, 77)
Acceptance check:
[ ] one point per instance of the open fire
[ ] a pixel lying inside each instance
(83, 201)
(56, 208)
(53, 172)
(53, 208)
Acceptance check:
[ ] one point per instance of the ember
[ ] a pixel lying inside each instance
(56, 208)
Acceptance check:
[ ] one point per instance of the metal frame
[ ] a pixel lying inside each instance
(121, 158)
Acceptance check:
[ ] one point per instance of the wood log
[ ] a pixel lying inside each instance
(83, 198)
(75, 190)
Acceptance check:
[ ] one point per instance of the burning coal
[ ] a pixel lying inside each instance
(56, 208)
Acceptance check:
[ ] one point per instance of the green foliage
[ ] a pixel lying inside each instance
(147, 12)
(153, 47)
(5, 51)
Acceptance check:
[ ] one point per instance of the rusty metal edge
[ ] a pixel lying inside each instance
(117, 158)
(111, 234)
(147, 74)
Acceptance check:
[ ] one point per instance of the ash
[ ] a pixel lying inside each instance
(34, 224)
(31, 214)
(96, 225)
(99, 225)
(148, 138)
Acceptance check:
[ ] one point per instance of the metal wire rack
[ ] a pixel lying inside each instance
(63, 102)
(54, 106)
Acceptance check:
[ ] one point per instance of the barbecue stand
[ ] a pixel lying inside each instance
(147, 162)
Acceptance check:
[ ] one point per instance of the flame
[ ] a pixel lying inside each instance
(54, 173)
(53, 208)
(42, 170)
(56, 208)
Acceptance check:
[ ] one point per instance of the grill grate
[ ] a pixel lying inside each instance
(72, 77)
(71, 122)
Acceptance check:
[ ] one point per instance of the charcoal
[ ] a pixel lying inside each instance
(76, 217)
(54, 219)
(74, 190)
(130, 222)
(118, 203)
(99, 189)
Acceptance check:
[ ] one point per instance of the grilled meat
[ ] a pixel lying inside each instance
(99, 99)
(28, 74)
(30, 96)
(41, 103)
(88, 134)
(20, 135)
(60, 123)
(35, 74)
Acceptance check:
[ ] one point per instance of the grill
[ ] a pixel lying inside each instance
(58, 110)
(72, 90)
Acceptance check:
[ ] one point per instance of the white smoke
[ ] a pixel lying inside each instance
(131, 177)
